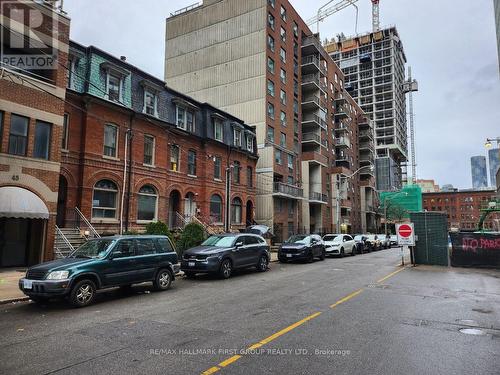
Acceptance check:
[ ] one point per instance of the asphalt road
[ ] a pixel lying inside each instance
(356, 315)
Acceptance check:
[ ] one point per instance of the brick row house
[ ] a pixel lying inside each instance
(32, 91)
(135, 151)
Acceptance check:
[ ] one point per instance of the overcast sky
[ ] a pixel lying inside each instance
(450, 45)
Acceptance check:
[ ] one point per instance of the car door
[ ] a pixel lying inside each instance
(253, 249)
(240, 255)
(121, 265)
(147, 258)
(316, 244)
(349, 243)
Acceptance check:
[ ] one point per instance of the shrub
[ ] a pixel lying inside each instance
(192, 235)
(159, 228)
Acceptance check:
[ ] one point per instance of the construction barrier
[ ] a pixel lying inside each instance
(475, 249)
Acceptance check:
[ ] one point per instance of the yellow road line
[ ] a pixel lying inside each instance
(228, 361)
(346, 298)
(390, 275)
(211, 370)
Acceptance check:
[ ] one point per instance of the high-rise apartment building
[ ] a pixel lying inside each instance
(494, 164)
(374, 68)
(497, 23)
(479, 172)
(259, 61)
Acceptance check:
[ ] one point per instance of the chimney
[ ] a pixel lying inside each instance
(123, 58)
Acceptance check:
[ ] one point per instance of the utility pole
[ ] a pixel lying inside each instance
(227, 221)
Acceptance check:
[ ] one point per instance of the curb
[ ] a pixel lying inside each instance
(15, 299)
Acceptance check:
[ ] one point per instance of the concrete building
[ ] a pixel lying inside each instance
(136, 152)
(463, 207)
(494, 165)
(428, 186)
(496, 5)
(258, 60)
(479, 172)
(374, 68)
(31, 128)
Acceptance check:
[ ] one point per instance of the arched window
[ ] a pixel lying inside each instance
(147, 202)
(104, 200)
(236, 210)
(216, 208)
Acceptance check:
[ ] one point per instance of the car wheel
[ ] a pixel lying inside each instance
(353, 251)
(225, 269)
(163, 280)
(263, 263)
(323, 255)
(190, 275)
(83, 293)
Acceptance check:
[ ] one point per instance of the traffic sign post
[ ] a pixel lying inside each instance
(406, 238)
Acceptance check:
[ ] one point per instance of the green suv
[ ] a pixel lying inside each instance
(103, 263)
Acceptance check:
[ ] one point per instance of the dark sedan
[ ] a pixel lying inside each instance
(221, 254)
(302, 247)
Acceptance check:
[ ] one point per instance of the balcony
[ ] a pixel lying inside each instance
(341, 112)
(311, 102)
(287, 191)
(313, 82)
(314, 157)
(342, 128)
(366, 147)
(310, 120)
(311, 45)
(364, 123)
(366, 173)
(342, 161)
(312, 64)
(340, 101)
(315, 197)
(311, 138)
(366, 159)
(343, 142)
(365, 135)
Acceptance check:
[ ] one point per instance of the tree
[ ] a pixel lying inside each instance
(192, 235)
(159, 228)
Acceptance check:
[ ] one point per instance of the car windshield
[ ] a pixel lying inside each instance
(299, 239)
(371, 236)
(93, 249)
(220, 241)
(330, 237)
(358, 238)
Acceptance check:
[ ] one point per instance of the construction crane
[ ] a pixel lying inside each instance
(326, 11)
(410, 86)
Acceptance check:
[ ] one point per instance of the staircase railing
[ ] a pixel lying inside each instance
(61, 235)
(80, 217)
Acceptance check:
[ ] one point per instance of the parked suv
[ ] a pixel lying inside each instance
(373, 242)
(362, 243)
(303, 247)
(102, 263)
(339, 244)
(223, 253)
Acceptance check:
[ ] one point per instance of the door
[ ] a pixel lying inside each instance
(14, 237)
(147, 258)
(61, 202)
(189, 207)
(242, 254)
(253, 249)
(316, 246)
(349, 244)
(121, 266)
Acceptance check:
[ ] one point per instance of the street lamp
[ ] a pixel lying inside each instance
(489, 144)
(339, 182)
(385, 207)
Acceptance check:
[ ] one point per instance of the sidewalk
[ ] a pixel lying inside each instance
(9, 291)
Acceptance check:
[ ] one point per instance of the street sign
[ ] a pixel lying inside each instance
(406, 234)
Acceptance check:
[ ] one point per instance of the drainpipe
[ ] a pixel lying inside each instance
(129, 183)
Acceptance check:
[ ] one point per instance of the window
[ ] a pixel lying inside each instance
(249, 176)
(290, 180)
(250, 143)
(18, 137)
(185, 119)
(236, 172)
(336, 77)
(191, 163)
(270, 110)
(283, 13)
(150, 103)
(270, 87)
(123, 249)
(283, 97)
(283, 34)
(149, 150)
(71, 72)
(283, 75)
(42, 140)
(270, 21)
(270, 65)
(295, 107)
(277, 156)
(165, 245)
(237, 137)
(216, 208)
(236, 207)
(271, 2)
(190, 121)
(295, 49)
(147, 203)
(145, 246)
(283, 55)
(295, 29)
(104, 200)
(290, 161)
(217, 167)
(110, 140)
(270, 134)
(65, 131)
(218, 130)
(114, 88)
(283, 140)
(283, 118)
(270, 42)
(174, 158)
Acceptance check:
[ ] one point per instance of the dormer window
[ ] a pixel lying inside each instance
(150, 103)
(250, 143)
(218, 130)
(185, 119)
(114, 88)
(237, 137)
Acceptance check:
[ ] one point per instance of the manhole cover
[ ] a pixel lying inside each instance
(472, 331)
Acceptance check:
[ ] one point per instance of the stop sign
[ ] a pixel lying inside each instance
(405, 230)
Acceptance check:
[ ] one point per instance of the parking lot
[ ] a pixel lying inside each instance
(362, 314)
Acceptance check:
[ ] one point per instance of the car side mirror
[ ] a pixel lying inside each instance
(238, 244)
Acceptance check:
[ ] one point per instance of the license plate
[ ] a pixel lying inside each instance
(27, 284)
(191, 264)
(288, 255)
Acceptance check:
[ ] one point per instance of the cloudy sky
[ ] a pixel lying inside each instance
(451, 48)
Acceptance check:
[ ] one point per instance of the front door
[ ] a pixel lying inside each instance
(189, 207)
(14, 237)
(61, 202)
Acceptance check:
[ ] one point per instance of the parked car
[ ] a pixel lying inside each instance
(385, 241)
(394, 240)
(102, 263)
(362, 243)
(222, 253)
(339, 244)
(302, 247)
(373, 242)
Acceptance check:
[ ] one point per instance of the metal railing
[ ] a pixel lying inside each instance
(60, 235)
(308, 137)
(282, 188)
(80, 218)
(315, 196)
(185, 9)
(314, 118)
